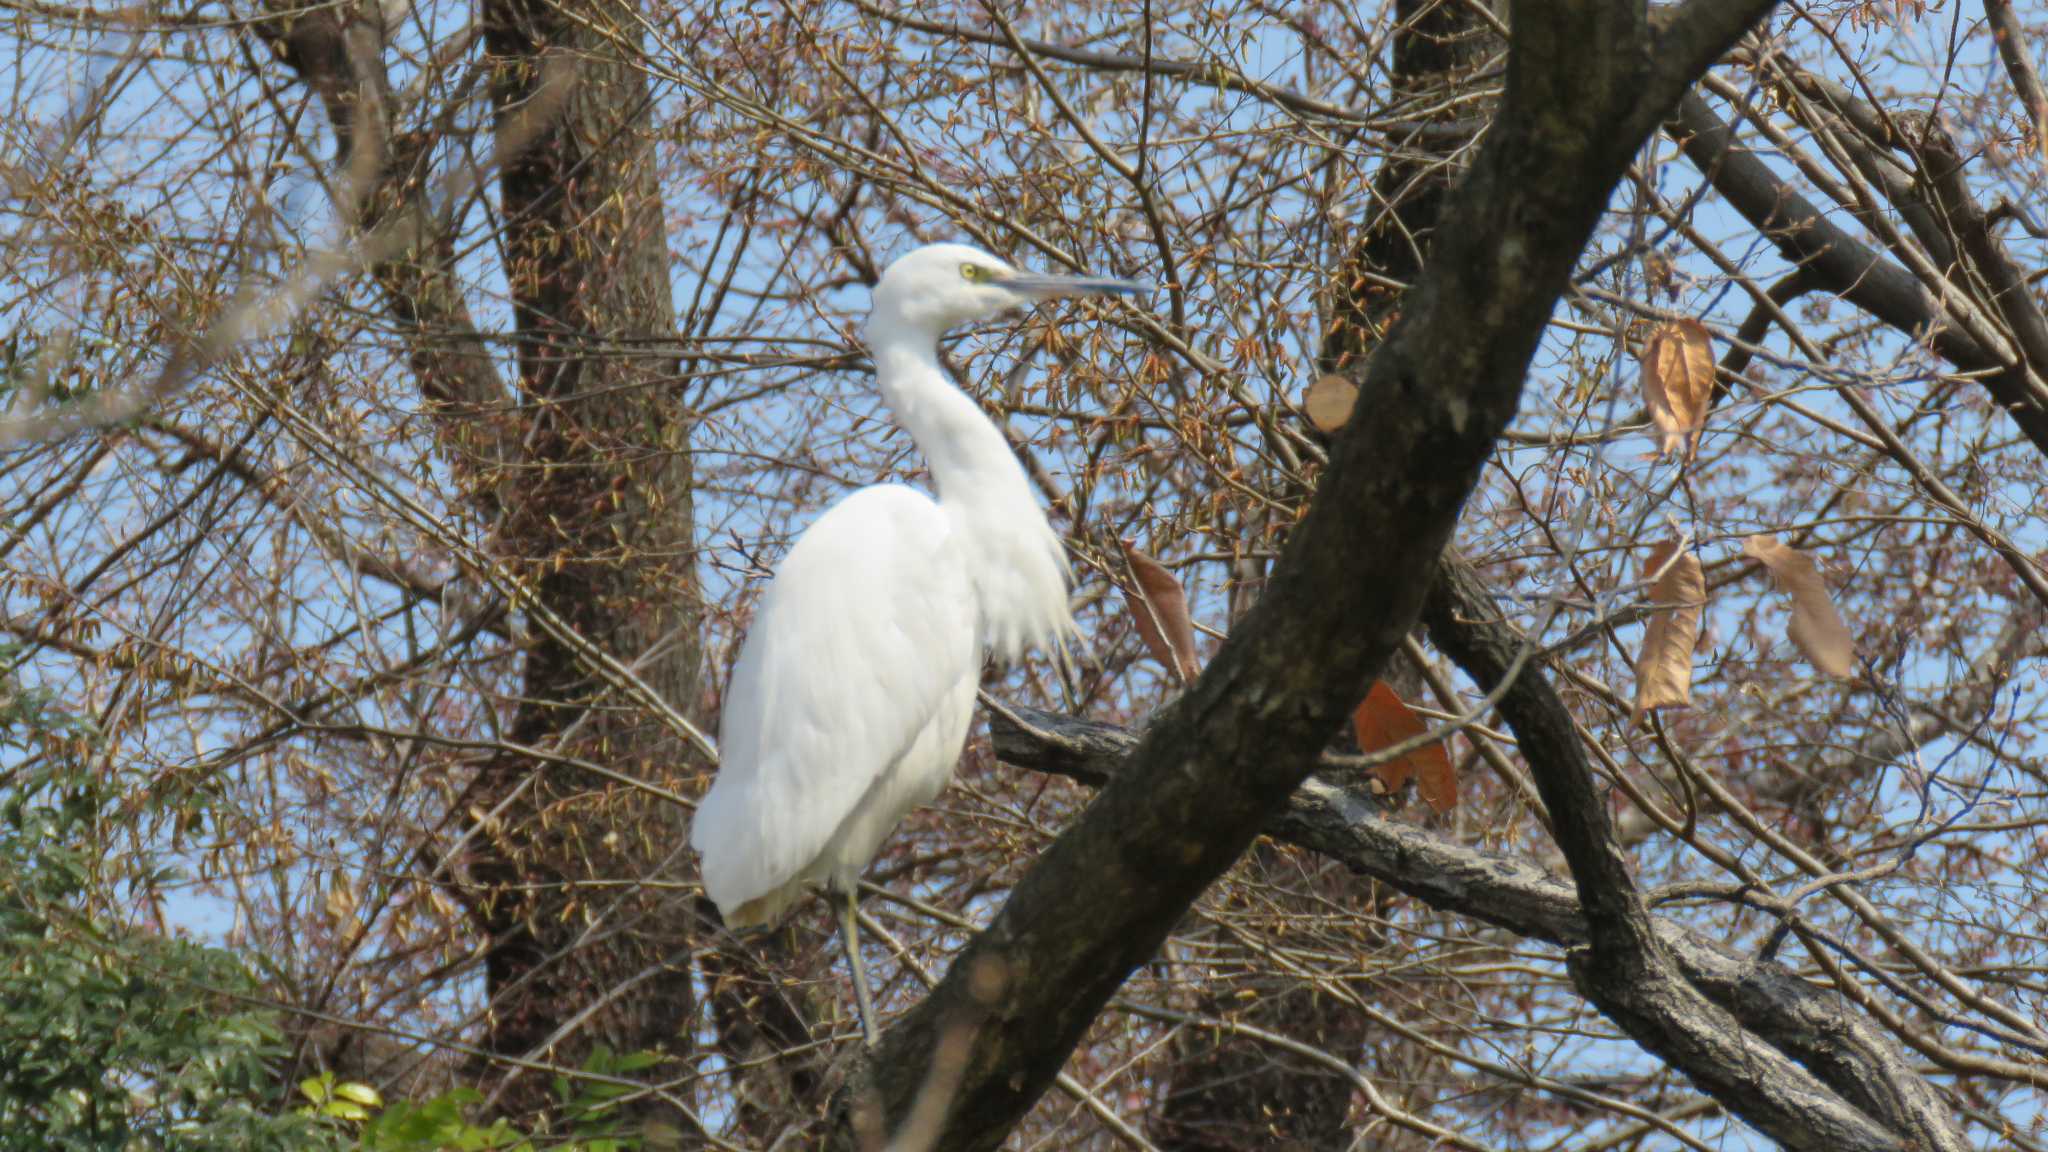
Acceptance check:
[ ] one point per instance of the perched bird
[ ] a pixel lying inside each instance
(851, 698)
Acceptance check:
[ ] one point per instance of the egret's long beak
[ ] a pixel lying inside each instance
(1046, 287)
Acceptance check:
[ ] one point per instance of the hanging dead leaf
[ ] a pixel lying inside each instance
(1678, 382)
(1382, 721)
(1661, 271)
(1161, 611)
(1329, 401)
(341, 901)
(1679, 592)
(1816, 627)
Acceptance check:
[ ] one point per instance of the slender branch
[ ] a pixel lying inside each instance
(2019, 65)
(1205, 73)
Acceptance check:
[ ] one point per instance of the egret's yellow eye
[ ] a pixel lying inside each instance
(973, 273)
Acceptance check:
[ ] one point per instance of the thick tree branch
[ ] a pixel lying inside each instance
(2010, 293)
(1349, 586)
(1689, 38)
(2019, 65)
(1935, 201)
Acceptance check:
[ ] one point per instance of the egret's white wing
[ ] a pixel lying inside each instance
(868, 624)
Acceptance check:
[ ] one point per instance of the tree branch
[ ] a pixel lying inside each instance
(1202, 73)
(1842, 264)
(340, 56)
(1690, 38)
(1814, 1026)
(1208, 775)
(2019, 65)
(2010, 293)
(1624, 968)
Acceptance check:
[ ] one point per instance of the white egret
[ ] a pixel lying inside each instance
(851, 698)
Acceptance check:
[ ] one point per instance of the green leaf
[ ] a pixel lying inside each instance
(345, 1110)
(360, 1093)
(636, 1061)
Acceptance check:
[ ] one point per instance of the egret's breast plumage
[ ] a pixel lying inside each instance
(860, 644)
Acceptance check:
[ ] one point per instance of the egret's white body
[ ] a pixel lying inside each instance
(854, 689)
(849, 703)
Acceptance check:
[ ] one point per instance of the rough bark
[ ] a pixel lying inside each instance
(600, 525)
(1587, 81)
(1438, 45)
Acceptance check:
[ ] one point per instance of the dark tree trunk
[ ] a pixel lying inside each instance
(599, 523)
(764, 996)
(586, 485)
(1437, 49)
(1229, 1092)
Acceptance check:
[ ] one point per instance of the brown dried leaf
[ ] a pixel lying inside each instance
(1678, 382)
(1816, 627)
(1329, 401)
(1664, 666)
(1382, 721)
(341, 900)
(1161, 611)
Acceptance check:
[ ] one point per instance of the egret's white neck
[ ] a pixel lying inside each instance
(970, 458)
(1017, 563)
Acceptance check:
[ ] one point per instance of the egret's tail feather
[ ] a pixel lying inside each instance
(762, 913)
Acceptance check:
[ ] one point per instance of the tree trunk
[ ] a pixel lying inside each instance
(763, 996)
(1436, 48)
(600, 525)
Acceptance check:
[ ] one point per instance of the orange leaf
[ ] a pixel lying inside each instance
(1664, 666)
(1678, 382)
(1816, 627)
(1382, 721)
(1329, 401)
(1161, 611)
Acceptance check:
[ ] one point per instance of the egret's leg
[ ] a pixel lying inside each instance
(849, 931)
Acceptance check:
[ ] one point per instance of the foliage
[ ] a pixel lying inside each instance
(442, 1122)
(449, 1121)
(113, 1037)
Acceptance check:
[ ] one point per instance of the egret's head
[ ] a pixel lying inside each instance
(942, 286)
